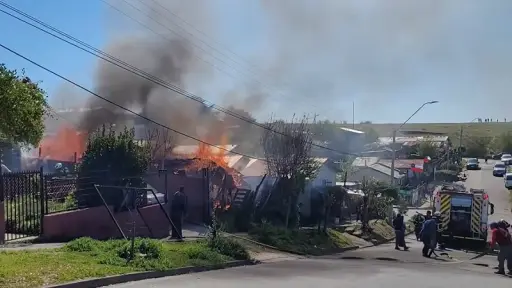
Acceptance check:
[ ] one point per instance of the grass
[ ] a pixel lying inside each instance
(448, 129)
(304, 241)
(86, 258)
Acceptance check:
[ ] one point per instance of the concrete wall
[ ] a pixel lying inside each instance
(96, 223)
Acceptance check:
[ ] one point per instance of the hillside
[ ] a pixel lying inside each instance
(449, 129)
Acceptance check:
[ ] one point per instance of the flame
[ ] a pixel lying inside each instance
(207, 156)
(63, 145)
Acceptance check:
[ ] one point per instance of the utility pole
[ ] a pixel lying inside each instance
(393, 154)
(460, 136)
(353, 115)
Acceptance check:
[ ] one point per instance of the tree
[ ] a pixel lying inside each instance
(23, 106)
(477, 146)
(288, 155)
(505, 142)
(159, 143)
(112, 159)
(379, 196)
(427, 148)
(370, 135)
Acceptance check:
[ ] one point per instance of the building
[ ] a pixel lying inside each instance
(374, 171)
(345, 140)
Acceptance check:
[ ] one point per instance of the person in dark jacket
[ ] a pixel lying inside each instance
(178, 212)
(399, 226)
(428, 235)
(502, 237)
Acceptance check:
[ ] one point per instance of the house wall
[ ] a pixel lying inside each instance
(325, 177)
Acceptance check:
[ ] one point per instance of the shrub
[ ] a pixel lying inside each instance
(229, 247)
(125, 160)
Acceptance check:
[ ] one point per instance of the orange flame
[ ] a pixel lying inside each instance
(208, 156)
(63, 145)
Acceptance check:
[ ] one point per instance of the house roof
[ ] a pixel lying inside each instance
(412, 139)
(385, 170)
(191, 149)
(365, 161)
(351, 130)
(402, 163)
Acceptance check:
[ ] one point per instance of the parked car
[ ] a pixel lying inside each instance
(506, 159)
(508, 180)
(473, 164)
(499, 170)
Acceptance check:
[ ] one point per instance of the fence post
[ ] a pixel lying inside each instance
(42, 196)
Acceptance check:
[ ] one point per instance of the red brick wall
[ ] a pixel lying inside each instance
(96, 223)
(2, 223)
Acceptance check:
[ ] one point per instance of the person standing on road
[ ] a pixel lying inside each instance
(428, 235)
(502, 237)
(178, 211)
(399, 226)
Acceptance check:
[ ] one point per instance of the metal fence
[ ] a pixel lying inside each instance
(23, 203)
(29, 195)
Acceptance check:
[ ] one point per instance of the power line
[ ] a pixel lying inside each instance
(132, 69)
(120, 106)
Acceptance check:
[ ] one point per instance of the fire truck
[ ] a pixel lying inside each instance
(464, 214)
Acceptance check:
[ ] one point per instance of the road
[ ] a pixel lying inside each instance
(498, 194)
(379, 266)
(331, 273)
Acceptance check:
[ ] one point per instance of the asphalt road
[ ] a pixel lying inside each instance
(498, 194)
(380, 266)
(331, 273)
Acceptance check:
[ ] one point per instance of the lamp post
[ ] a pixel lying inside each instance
(394, 139)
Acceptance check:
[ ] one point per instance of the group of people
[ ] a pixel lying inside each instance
(425, 230)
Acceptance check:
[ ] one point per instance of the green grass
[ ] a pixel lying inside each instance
(304, 241)
(86, 258)
(448, 129)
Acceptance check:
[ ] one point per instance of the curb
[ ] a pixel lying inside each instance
(118, 279)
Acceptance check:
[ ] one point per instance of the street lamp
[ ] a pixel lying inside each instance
(394, 139)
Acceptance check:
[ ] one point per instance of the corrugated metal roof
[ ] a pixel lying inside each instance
(365, 161)
(351, 130)
(385, 170)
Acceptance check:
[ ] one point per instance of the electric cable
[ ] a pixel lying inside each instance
(140, 73)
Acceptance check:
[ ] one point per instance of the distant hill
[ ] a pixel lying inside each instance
(448, 129)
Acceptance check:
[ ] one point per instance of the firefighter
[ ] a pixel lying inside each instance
(418, 223)
(428, 235)
(503, 224)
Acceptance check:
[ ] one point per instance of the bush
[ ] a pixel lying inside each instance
(125, 160)
(229, 247)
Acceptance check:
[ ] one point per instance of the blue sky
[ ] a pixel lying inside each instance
(386, 59)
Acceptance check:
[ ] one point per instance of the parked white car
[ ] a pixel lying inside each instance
(506, 159)
(508, 180)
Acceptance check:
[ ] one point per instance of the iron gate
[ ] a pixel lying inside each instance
(23, 203)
